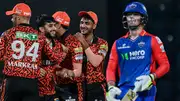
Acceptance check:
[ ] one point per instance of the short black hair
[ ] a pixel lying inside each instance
(86, 16)
(43, 19)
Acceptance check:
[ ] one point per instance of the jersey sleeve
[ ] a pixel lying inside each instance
(160, 57)
(112, 64)
(54, 53)
(103, 49)
(77, 53)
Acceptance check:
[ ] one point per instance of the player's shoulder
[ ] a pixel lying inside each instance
(124, 37)
(27, 29)
(149, 34)
(101, 40)
(73, 40)
(75, 45)
(154, 37)
(41, 36)
(10, 30)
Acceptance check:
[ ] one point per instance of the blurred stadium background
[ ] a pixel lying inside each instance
(164, 21)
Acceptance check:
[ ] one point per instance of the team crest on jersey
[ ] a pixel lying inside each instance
(141, 44)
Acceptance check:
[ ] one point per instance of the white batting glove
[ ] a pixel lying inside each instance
(112, 93)
(144, 82)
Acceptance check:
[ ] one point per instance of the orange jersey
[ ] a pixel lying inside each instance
(74, 55)
(46, 84)
(21, 49)
(95, 74)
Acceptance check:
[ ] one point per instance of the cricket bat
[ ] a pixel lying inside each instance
(131, 95)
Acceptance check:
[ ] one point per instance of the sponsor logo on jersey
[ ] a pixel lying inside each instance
(78, 56)
(28, 36)
(78, 50)
(134, 55)
(123, 46)
(104, 46)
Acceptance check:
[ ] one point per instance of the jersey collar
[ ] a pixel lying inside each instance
(143, 32)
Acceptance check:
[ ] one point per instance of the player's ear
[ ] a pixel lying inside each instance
(94, 26)
(42, 29)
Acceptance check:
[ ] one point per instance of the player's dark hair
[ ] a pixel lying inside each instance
(86, 16)
(43, 19)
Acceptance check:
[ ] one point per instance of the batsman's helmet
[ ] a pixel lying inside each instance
(135, 7)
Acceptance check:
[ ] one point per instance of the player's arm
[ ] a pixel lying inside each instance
(96, 58)
(113, 91)
(55, 53)
(2, 45)
(112, 66)
(93, 58)
(77, 59)
(160, 56)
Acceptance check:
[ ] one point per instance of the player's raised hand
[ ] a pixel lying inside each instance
(80, 37)
(112, 93)
(145, 82)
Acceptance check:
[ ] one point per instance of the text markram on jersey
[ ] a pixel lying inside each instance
(22, 64)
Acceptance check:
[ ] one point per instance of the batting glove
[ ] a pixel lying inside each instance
(112, 93)
(144, 82)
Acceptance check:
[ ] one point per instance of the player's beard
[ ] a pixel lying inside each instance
(48, 35)
(53, 34)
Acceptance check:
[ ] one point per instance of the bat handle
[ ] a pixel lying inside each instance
(136, 88)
